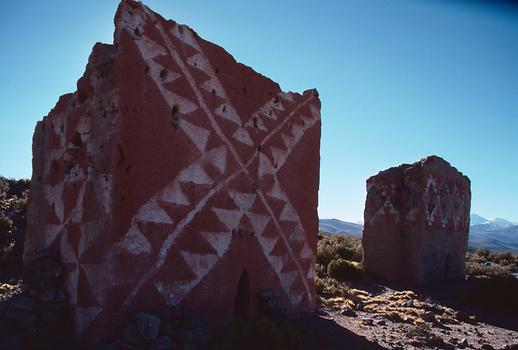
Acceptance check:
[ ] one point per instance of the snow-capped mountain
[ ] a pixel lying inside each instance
(492, 234)
(476, 219)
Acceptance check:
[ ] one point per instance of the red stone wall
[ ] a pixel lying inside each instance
(417, 222)
(169, 172)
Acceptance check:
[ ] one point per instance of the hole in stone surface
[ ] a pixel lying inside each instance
(242, 299)
(163, 74)
(121, 155)
(136, 32)
(276, 101)
(255, 123)
(68, 167)
(259, 149)
(224, 108)
(213, 91)
(76, 139)
(175, 119)
(244, 90)
(146, 69)
(128, 168)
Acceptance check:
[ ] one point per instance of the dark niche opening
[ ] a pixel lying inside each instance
(242, 300)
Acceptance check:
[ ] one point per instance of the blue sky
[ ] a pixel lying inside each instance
(398, 80)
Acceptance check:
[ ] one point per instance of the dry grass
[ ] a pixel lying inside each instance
(398, 306)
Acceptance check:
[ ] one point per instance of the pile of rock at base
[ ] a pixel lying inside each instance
(172, 328)
(36, 318)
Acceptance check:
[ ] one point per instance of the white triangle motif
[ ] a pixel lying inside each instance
(218, 240)
(173, 193)
(200, 264)
(228, 112)
(258, 222)
(288, 213)
(278, 155)
(183, 33)
(134, 242)
(306, 252)
(267, 243)
(289, 141)
(243, 200)
(276, 192)
(265, 166)
(243, 136)
(218, 157)
(195, 174)
(198, 135)
(152, 212)
(229, 217)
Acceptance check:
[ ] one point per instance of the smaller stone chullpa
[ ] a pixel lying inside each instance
(417, 222)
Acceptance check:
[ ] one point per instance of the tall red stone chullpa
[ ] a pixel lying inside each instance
(172, 174)
(417, 222)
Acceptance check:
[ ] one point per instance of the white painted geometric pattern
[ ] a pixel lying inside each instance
(220, 241)
(152, 212)
(197, 175)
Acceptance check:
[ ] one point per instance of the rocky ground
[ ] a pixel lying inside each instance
(395, 319)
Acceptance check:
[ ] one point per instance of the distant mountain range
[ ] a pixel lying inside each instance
(496, 234)
(337, 226)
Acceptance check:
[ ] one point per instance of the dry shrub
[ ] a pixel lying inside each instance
(331, 247)
(344, 270)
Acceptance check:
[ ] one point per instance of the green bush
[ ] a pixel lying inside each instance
(331, 247)
(484, 263)
(484, 253)
(344, 270)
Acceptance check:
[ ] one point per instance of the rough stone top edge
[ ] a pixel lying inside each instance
(422, 163)
(142, 6)
(66, 96)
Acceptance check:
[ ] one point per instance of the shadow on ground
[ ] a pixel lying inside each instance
(327, 335)
(492, 301)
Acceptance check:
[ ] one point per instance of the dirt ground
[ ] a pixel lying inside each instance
(374, 316)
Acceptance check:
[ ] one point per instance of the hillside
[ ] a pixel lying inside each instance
(498, 235)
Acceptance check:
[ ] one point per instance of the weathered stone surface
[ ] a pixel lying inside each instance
(172, 176)
(148, 325)
(417, 222)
